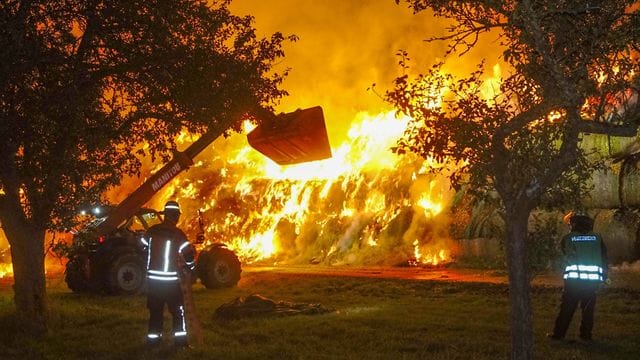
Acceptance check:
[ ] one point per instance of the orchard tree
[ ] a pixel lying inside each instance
(83, 83)
(574, 68)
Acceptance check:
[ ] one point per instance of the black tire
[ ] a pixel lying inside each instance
(76, 274)
(126, 273)
(218, 267)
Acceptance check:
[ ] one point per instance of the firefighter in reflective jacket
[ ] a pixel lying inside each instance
(165, 243)
(585, 269)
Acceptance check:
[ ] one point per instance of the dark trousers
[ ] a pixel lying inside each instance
(576, 292)
(160, 293)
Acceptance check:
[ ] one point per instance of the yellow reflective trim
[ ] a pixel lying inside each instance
(163, 278)
(167, 248)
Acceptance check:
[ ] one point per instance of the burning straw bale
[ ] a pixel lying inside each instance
(256, 305)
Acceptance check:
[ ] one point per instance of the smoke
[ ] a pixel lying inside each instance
(345, 46)
(364, 206)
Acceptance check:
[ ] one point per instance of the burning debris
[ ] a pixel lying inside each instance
(364, 206)
(6, 268)
(256, 305)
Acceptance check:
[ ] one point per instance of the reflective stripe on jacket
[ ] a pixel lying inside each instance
(584, 257)
(165, 243)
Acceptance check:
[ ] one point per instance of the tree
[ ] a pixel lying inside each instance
(574, 69)
(83, 84)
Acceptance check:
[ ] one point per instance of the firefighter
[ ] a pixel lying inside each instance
(585, 269)
(165, 242)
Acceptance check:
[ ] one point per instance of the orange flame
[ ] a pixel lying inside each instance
(339, 210)
(365, 205)
(6, 270)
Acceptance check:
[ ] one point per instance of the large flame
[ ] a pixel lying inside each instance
(365, 205)
(6, 270)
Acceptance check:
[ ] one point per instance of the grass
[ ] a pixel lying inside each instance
(373, 319)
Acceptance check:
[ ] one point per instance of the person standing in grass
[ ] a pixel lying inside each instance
(165, 243)
(585, 256)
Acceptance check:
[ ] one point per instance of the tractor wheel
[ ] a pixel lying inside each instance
(218, 267)
(126, 273)
(76, 274)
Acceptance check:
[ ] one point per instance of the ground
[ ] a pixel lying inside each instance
(378, 313)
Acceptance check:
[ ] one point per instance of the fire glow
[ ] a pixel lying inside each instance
(365, 205)
(6, 270)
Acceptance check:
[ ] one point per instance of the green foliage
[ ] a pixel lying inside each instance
(462, 131)
(84, 83)
(543, 251)
(570, 72)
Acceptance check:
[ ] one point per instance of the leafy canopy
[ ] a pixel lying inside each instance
(574, 68)
(84, 83)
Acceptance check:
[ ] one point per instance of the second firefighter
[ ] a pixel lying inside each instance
(166, 242)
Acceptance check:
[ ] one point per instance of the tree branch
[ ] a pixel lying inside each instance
(593, 127)
(89, 31)
(460, 37)
(567, 156)
(522, 119)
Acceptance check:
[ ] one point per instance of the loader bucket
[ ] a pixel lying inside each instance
(293, 138)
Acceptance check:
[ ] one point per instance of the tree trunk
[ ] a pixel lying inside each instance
(519, 291)
(27, 255)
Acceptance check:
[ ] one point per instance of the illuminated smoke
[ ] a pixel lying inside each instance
(370, 213)
(345, 46)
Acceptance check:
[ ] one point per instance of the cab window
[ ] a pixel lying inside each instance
(151, 219)
(136, 224)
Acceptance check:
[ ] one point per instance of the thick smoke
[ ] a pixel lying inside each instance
(367, 216)
(345, 46)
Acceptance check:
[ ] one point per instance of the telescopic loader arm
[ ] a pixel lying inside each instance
(283, 138)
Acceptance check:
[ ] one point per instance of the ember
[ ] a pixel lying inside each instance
(6, 269)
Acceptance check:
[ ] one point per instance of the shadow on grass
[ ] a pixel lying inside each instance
(595, 347)
(14, 344)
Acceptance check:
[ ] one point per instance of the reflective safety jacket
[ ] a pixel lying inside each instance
(585, 256)
(165, 242)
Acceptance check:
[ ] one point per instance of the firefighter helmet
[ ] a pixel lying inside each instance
(172, 211)
(172, 205)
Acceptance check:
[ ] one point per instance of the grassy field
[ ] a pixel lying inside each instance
(373, 319)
